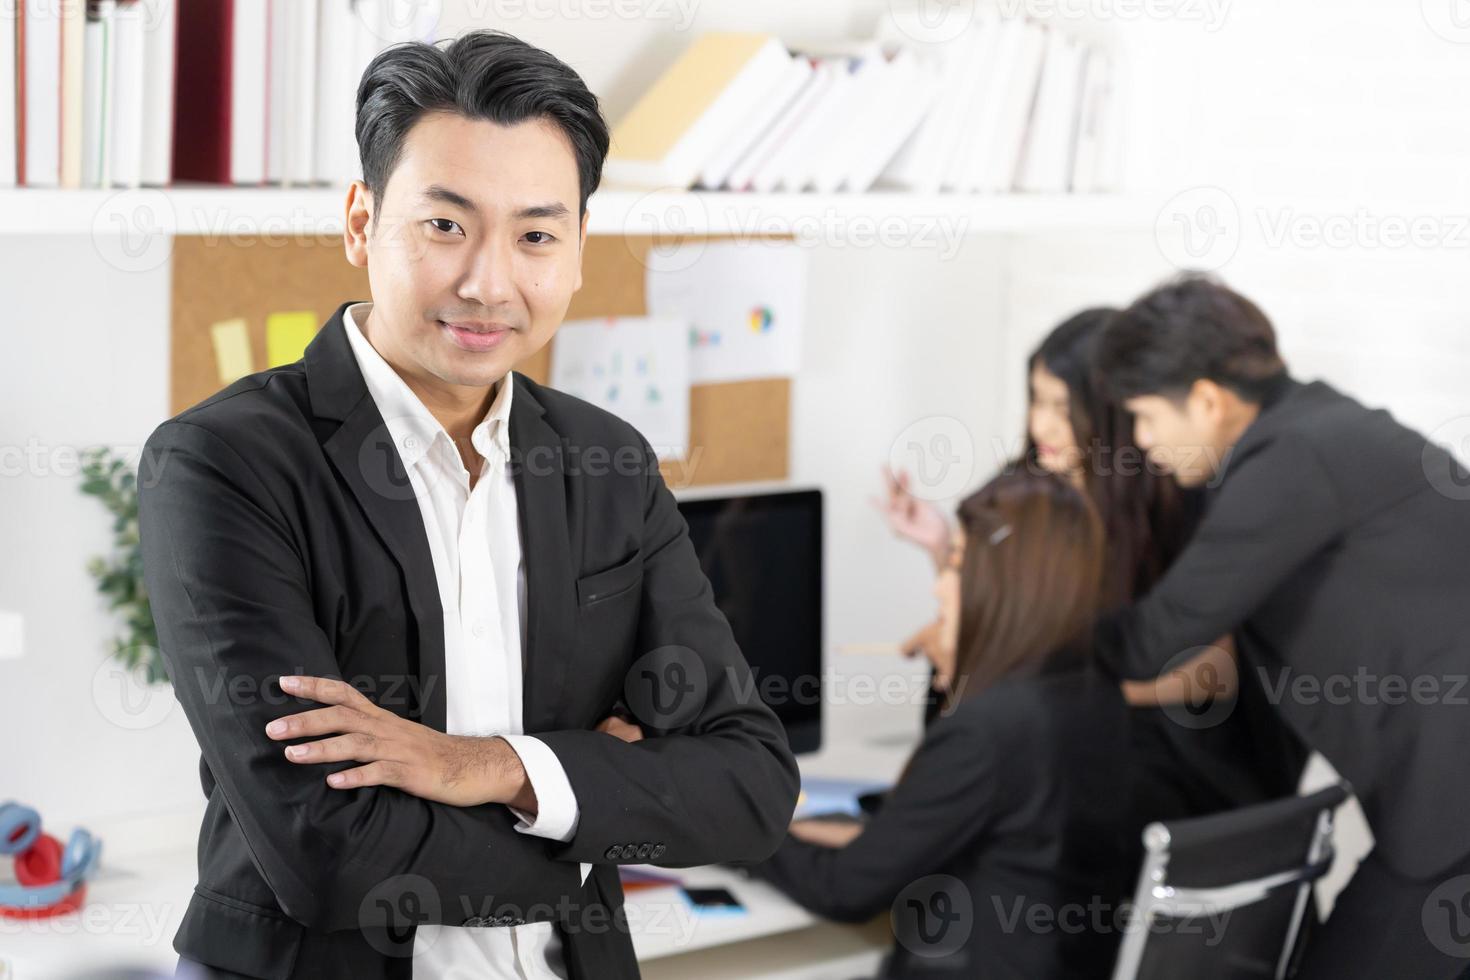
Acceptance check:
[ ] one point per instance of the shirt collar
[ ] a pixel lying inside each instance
(414, 428)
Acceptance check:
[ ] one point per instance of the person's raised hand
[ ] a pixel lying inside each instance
(913, 519)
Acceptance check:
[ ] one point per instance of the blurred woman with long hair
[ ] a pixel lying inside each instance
(1010, 804)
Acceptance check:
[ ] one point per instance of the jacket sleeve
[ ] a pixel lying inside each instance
(714, 785)
(944, 803)
(1276, 508)
(233, 608)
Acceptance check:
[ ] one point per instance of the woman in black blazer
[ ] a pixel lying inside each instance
(1006, 847)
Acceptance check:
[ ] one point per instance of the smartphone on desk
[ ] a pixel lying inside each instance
(716, 901)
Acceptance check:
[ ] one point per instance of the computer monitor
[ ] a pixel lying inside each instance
(762, 553)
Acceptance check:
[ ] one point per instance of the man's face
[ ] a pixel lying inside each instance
(477, 248)
(1182, 437)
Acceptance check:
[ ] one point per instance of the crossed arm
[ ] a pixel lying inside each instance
(234, 612)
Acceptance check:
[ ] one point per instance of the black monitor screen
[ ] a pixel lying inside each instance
(763, 557)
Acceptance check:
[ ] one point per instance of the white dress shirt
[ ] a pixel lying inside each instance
(475, 541)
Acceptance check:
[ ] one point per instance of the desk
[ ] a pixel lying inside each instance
(139, 896)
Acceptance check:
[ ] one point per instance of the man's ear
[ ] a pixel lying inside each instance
(1208, 402)
(359, 207)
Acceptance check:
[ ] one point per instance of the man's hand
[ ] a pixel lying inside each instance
(621, 728)
(454, 769)
(826, 833)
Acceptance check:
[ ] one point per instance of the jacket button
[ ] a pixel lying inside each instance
(644, 850)
(630, 851)
(658, 851)
(613, 853)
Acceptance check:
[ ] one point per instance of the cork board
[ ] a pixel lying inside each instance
(739, 431)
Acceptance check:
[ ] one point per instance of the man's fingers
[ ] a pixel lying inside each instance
(327, 690)
(372, 774)
(356, 747)
(318, 721)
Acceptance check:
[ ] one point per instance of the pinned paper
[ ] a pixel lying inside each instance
(744, 302)
(635, 367)
(231, 350)
(286, 336)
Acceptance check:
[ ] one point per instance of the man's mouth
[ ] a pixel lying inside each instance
(474, 335)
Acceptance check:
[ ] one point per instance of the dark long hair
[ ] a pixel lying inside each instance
(1030, 579)
(1143, 512)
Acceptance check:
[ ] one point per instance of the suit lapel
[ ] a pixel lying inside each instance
(363, 453)
(538, 469)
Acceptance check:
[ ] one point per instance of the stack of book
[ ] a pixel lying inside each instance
(1008, 105)
(127, 93)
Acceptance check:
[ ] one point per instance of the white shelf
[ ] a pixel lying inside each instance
(879, 218)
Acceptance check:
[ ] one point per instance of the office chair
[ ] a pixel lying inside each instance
(1224, 896)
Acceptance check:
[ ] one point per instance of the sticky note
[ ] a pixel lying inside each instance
(286, 336)
(231, 350)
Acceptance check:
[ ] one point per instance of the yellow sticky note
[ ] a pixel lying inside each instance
(286, 336)
(231, 350)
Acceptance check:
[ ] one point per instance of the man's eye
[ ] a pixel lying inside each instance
(545, 239)
(438, 222)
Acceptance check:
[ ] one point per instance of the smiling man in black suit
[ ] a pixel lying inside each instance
(400, 588)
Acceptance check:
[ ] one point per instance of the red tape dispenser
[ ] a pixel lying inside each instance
(50, 879)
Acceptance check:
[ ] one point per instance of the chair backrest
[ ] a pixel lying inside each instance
(1223, 896)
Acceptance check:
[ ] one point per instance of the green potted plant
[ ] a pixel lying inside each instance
(119, 577)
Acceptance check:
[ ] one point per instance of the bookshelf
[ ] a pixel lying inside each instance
(840, 218)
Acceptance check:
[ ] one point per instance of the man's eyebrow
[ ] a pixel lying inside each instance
(555, 209)
(438, 192)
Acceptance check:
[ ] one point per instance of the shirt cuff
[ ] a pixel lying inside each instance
(556, 805)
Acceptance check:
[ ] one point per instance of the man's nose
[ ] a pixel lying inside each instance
(490, 279)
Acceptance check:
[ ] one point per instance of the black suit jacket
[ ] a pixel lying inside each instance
(280, 535)
(1015, 811)
(1336, 544)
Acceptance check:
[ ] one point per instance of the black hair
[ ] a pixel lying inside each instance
(1144, 517)
(483, 74)
(1191, 328)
